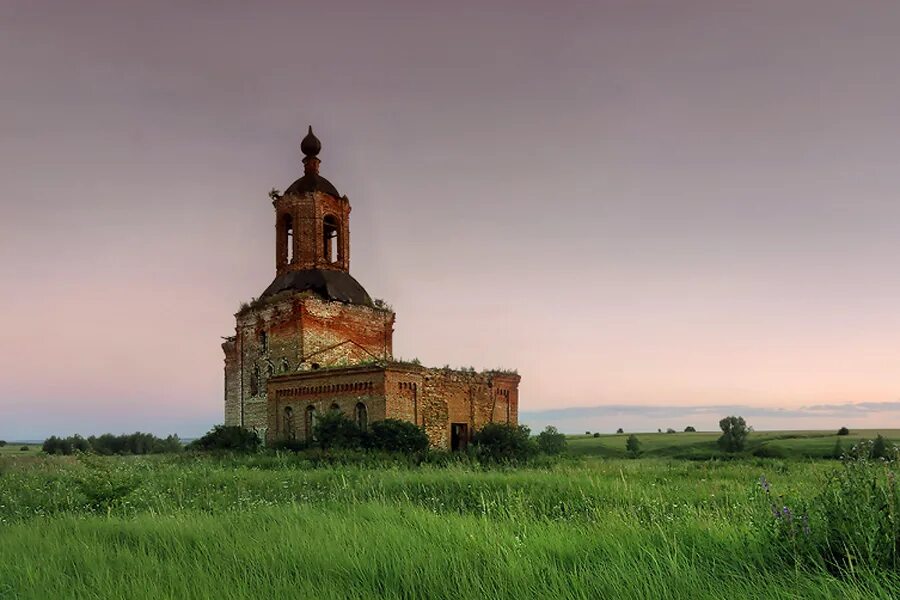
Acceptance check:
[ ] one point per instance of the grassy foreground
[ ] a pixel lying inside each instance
(373, 550)
(271, 526)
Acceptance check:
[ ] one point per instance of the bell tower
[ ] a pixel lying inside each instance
(312, 220)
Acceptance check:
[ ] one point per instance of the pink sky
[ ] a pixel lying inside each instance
(639, 204)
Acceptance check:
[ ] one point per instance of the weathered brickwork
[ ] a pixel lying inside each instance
(298, 333)
(435, 399)
(315, 341)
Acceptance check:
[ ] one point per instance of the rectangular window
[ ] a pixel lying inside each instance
(263, 341)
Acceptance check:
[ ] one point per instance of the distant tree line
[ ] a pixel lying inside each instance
(108, 444)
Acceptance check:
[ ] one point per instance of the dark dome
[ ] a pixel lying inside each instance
(312, 182)
(310, 146)
(330, 285)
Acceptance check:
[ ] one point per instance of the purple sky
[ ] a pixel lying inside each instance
(662, 206)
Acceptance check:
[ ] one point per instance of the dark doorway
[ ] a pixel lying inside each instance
(459, 436)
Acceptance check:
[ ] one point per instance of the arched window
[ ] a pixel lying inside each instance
(287, 226)
(331, 238)
(288, 423)
(335, 407)
(362, 416)
(310, 422)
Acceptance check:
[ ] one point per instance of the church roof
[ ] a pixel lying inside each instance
(328, 284)
(312, 182)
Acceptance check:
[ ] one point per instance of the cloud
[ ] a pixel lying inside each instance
(649, 417)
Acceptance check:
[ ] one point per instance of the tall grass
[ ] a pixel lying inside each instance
(271, 526)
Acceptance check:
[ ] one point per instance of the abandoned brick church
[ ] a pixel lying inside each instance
(315, 341)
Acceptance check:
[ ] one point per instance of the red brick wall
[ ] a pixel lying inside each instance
(322, 389)
(336, 333)
(433, 398)
(299, 327)
(308, 213)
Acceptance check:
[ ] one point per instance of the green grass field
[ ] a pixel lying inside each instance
(702, 445)
(12, 449)
(271, 526)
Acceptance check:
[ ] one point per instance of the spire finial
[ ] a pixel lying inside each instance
(310, 146)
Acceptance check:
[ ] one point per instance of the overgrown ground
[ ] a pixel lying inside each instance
(274, 526)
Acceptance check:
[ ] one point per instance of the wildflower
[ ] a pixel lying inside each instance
(786, 513)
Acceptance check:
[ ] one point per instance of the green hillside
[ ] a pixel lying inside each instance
(702, 444)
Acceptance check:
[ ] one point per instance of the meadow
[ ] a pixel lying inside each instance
(280, 525)
(702, 444)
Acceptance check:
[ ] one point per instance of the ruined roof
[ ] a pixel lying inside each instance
(312, 182)
(328, 284)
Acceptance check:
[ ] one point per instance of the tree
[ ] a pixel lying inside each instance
(334, 430)
(620, 430)
(79, 444)
(551, 441)
(690, 429)
(734, 434)
(843, 431)
(596, 435)
(227, 437)
(57, 445)
(396, 435)
(502, 442)
(879, 447)
(2, 443)
(670, 430)
(633, 446)
(838, 450)
(587, 433)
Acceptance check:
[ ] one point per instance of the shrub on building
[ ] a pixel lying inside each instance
(396, 435)
(551, 441)
(502, 442)
(227, 437)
